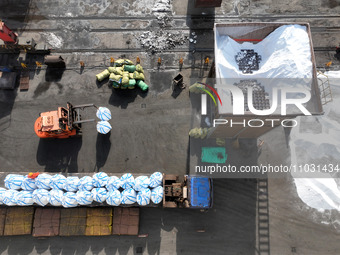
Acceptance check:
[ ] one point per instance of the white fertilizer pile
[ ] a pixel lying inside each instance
(285, 53)
(317, 142)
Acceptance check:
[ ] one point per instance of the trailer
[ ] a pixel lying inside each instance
(102, 219)
(179, 191)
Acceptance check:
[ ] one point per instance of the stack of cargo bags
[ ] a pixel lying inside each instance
(58, 190)
(124, 75)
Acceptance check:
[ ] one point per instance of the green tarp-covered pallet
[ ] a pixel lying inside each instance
(124, 75)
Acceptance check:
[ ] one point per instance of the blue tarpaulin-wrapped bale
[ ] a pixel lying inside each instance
(56, 197)
(128, 181)
(69, 200)
(2, 195)
(144, 196)
(141, 182)
(72, 184)
(84, 197)
(28, 184)
(100, 179)
(9, 197)
(41, 197)
(99, 194)
(85, 183)
(114, 197)
(157, 195)
(43, 181)
(24, 198)
(113, 183)
(129, 196)
(14, 181)
(58, 181)
(156, 179)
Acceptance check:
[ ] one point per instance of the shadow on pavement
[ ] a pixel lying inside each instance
(59, 155)
(122, 97)
(103, 146)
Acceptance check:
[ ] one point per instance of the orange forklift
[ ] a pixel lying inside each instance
(63, 123)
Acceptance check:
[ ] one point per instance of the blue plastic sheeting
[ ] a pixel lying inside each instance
(200, 192)
(5, 69)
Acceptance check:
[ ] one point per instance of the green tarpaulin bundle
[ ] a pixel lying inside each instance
(116, 85)
(142, 85)
(116, 70)
(125, 86)
(103, 75)
(132, 83)
(129, 68)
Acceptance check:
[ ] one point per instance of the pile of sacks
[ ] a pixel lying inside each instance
(58, 190)
(124, 75)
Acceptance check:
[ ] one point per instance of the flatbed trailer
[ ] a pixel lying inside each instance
(179, 191)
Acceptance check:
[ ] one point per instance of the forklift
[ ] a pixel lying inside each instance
(62, 123)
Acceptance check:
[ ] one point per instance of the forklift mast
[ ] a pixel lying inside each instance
(74, 117)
